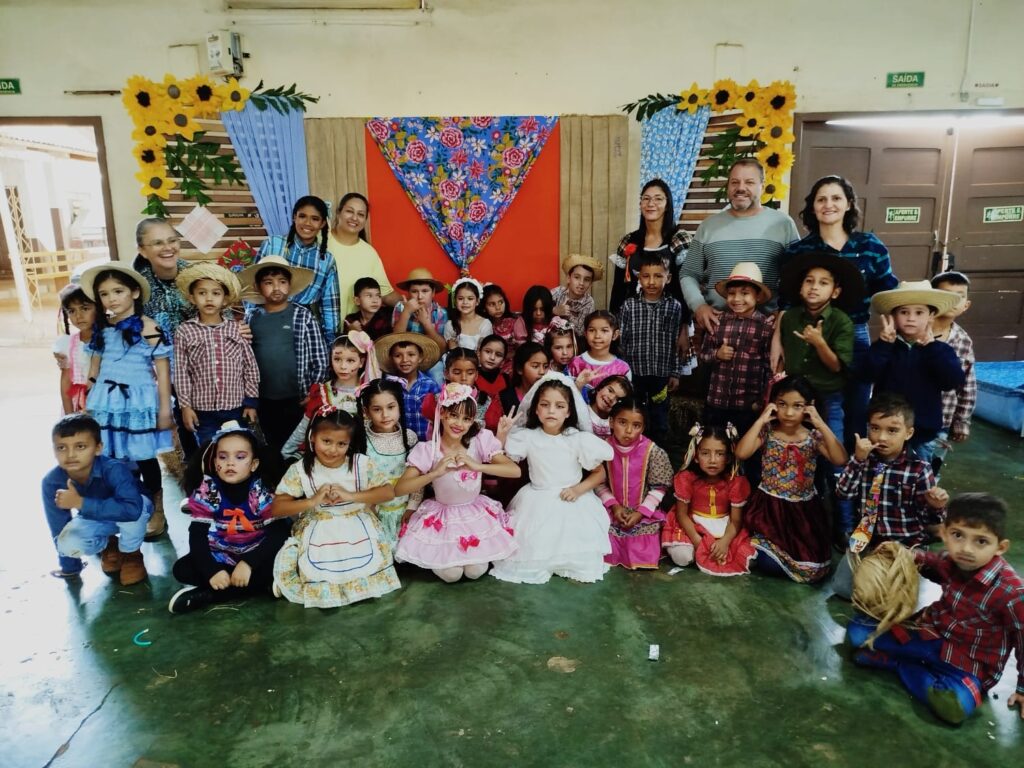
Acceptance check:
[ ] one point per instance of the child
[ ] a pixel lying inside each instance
(561, 526)
(130, 378)
(529, 365)
(896, 491)
(461, 366)
(288, 343)
(602, 330)
(421, 314)
(492, 353)
(112, 512)
(738, 350)
(71, 349)
(538, 310)
(353, 362)
(498, 310)
(957, 405)
(710, 496)
(372, 316)
(787, 523)
(560, 344)
(603, 399)
(388, 443)
(638, 475)
(651, 323)
(459, 532)
(907, 359)
(465, 326)
(216, 378)
(957, 649)
(407, 356)
(232, 538)
(574, 301)
(337, 553)
(321, 293)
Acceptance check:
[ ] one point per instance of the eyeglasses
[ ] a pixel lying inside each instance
(162, 243)
(658, 199)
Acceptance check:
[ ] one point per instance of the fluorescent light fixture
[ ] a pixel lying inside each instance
(974, 120)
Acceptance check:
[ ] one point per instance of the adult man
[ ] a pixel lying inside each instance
(745, 231)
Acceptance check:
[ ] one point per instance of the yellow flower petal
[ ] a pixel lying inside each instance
(723, 95)
(748, 97)
(780, 96)
(155, 183)
(776, 159)
(182, 122)
(778, 132)
(232, 96)
(143, 98)
(202, 95)
(692, 99)
(150, 155)
(750, 125)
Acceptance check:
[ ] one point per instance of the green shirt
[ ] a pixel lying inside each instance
(802, 359)
(273, 344)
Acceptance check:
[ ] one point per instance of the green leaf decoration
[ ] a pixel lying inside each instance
(281, 99)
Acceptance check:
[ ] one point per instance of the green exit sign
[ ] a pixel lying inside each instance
(10, 86)
(904, 80)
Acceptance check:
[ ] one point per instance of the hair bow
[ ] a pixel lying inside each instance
(399, 381)
(471, 281)
(361, 341)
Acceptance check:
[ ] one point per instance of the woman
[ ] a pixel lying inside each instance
(353, 253)
(159, 261)
(831, 216)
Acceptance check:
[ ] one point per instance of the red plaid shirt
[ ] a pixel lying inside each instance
(979, 617)
(214, 367)
(740, 382)
(958, 404)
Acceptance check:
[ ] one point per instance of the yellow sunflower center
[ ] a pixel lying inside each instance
(751, 122)
(769, 188)
(778, 102)
(143, 98)
(749, 96)
(150, 130)
(204, 92)
(174, 91)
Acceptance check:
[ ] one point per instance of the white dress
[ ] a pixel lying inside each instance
(564, 538)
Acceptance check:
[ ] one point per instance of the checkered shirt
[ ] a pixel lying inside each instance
(578, 308)
(414, 396)
(214, 367)
(958, 404)
(740, 382)
(649, 331)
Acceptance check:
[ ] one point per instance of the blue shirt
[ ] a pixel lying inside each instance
(414, 395)
(871, 256)
(112, 494)
(323, 294)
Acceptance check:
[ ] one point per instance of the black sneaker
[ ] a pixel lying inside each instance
(191, 599)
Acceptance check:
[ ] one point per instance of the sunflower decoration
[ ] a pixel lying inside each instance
(174, 90)
(778, 132)
(779, 98)
(774, 189)
(150, 155)
(748, 97)
(776, 159)
(723, 95)
(202, 94)
(232, 95)
(152, 130)
(155, 182)
(181, 120)
(143, 98)
(693, 99)
(750, 124)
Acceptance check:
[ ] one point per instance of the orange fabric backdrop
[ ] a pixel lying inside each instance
(523, 250)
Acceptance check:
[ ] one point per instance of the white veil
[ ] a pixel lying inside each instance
(582, 409)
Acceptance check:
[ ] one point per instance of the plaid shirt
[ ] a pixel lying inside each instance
(214, 367)
(438, 318)
(578, 308)
(979, 617)
(958, 404)
(379, 325)
(649, 333)
(312, 358)
(414, 395)
(323, 294)
(903, 512)
(740, 382)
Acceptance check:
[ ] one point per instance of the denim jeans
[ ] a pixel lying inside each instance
(82, 536)
(857, 392)
(210, 422)
(830, 407)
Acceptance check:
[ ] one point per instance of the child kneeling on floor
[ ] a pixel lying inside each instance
(960, 644)
(233, 537)
(112, 510)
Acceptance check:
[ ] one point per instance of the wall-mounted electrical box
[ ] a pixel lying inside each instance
(224, 52)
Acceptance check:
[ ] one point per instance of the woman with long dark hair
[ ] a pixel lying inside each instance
(354, 255)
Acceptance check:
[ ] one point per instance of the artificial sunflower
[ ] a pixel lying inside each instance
(155, 182)
(778, 131)
(776, 159)
(779, 97)
(174, 90)
(232, 95)
(142, 98)
(774, 189)
(150, 155)
(750, 124)
(723, 95)
(748, 96)
(692, 99)
(201, 93)
(181, 121)
(152, 130)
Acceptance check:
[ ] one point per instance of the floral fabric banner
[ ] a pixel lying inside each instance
(461, 173)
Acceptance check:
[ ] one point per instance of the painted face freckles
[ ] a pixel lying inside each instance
(741, 299)
(462, 372)
(830, 204)
(492, 354)
(627, 426)
(889, 434)
(308, 223)
(712, 456)
(118, 300)
(384, 412)
(455, 422)
(346, 363)
(580, 280)
(330, 444)
(234, 461)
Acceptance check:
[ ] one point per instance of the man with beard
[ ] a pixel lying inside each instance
(745, 231)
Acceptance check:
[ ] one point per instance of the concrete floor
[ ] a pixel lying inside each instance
(753, 671)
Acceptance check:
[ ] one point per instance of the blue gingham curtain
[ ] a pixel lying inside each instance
(669, 147)
(271, 149)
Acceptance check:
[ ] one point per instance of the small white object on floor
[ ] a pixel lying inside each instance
(654, 652)
(674, 571)
(202, 229)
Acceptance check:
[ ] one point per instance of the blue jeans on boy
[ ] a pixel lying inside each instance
(951, 693)
(58, 519)
(858, 392)
(831, 411)
(210, 422)
(82, 536)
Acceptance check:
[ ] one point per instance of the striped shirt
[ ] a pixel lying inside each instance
(214, 367)
(649, 331)
(958, 404)
(723, 240)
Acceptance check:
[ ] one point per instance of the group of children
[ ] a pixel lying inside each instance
(466, 439)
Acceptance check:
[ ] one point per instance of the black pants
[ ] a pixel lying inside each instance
(645, 390)
(188, 571)
(150, 477)
(278, 419)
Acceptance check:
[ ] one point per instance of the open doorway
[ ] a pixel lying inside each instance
(55, 214)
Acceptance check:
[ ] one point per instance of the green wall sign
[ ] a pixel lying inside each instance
(10, 86)
(905, 215)
(904, 80)
(997, 214)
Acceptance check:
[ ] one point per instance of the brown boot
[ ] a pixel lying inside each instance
(157, 525)
(133, 569)
(111, 558)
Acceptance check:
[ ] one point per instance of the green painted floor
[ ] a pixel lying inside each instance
(752, 672)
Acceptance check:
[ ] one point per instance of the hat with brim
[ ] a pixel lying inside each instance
(89, 278)
(206, 270)
(421, 275)
(845, 272)
(914, 292)
(301, 279)
(746, 272)
(430, 350)
(579, 260)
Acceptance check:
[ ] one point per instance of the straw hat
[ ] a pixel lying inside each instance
(209, 271)
(579, 260)
(914, 292)
(421, 275)
(746, 272)
(301, 277)
(383, 345)
(845, 272)
(89, 277)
